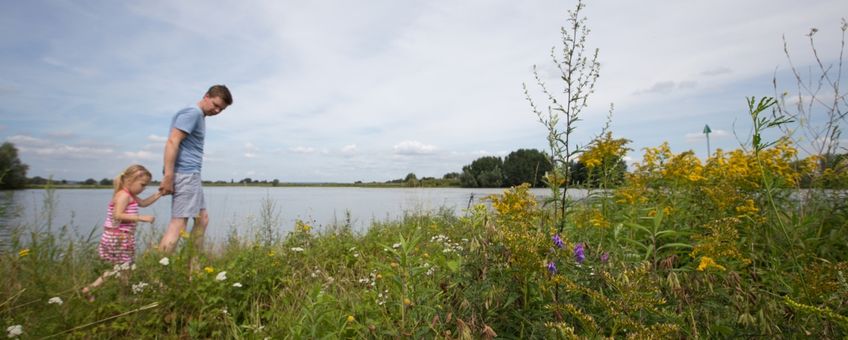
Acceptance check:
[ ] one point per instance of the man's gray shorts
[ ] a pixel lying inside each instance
(188, 196)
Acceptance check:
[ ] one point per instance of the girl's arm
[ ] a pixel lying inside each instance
(149, 200)
(121, 200)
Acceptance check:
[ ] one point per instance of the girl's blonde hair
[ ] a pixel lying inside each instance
(130, 173)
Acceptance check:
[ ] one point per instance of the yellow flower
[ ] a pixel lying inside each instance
(707, 262)
(183, 234)
(209, 269)
(271, 253)
(23, 252)
(350, 318)
(407, 301)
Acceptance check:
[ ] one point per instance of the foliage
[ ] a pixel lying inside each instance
(484, 172)
(525, 166)
(12, 170)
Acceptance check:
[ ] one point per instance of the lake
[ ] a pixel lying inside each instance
(240, 208)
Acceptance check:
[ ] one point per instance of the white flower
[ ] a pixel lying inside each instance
(221, 276)
(14, 331)
(164, 261)
(55, 300)
(237, 284)
(139, 287)
(396, 245)
(297, 249)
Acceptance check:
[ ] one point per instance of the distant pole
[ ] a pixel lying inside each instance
(707, 132)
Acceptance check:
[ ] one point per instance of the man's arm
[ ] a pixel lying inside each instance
(172, 147)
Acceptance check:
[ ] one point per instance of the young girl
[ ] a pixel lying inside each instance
(117, 244)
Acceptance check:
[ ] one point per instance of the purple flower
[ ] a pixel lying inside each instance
(605, 257)
(579, 256)
(552, 267)
(557, 240)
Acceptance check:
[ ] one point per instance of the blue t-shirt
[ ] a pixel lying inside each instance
(190, 155)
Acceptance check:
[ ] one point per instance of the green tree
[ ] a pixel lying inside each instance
(525, 166)
(484, 172)
(105, 181)
(12, 170)
(90, 181)
(411, 180)
(38, 180)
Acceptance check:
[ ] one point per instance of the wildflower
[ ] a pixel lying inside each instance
(350, 318)
(271, 253)
(237, 284)
(221, 276)
(579, 256)
(407, 302)
(557, 241)
(209, 270)
(605, 257)
(55, 300)
(707, 262)
(139, 287)
(552, 267)
(23, 252)
(396, 245)
(183, 234)
(164, 261)
(14, 331)
(297, 249)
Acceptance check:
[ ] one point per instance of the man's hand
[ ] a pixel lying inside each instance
(167, 185)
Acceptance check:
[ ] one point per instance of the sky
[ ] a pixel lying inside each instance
(344, 91)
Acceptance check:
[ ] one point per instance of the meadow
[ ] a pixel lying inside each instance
(729, 247)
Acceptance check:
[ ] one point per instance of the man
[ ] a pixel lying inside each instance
(183, 161)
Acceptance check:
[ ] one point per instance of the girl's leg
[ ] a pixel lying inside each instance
(86, 291)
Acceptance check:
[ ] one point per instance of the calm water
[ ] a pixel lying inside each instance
(240, 208)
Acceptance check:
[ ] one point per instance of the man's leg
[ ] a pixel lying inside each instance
(198, 230)
(172, 234)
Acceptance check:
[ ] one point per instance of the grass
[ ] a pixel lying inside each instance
(682, 249)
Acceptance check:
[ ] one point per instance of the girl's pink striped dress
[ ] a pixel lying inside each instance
(117, 244)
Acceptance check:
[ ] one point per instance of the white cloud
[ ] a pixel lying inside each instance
(141, 155)
(157, 139)
(302, 150)
(348, 149)
(411, 147)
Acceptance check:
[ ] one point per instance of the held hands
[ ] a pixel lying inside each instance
(167, 185)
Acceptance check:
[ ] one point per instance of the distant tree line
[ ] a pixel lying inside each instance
(520, 166)
(524, 166)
